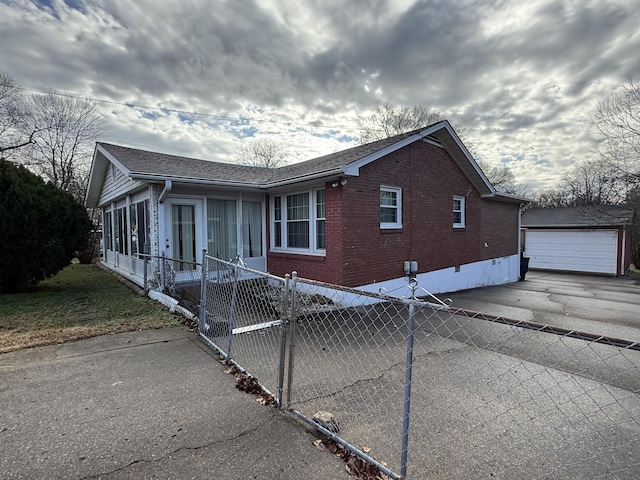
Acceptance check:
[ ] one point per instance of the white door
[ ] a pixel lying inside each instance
(183, 233)
(593, 251)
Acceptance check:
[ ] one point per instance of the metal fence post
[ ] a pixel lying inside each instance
(202, 314)
(162, 273)
(284, 328)
(232, 312)
(292, 337)
(145, 280)
(407, 381)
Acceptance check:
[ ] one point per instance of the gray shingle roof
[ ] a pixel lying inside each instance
(154, 164)
(587, 216)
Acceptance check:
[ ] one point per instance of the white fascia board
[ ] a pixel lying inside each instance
(467, 154)
(90, 196)
(147, 177)
(306, 178)
(353, 168)
(113, 160)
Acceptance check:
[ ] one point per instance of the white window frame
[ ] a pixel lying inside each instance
(461, 223)
(312, 221)
(397, 207)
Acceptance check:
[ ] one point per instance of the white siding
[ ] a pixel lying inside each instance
(115, 186)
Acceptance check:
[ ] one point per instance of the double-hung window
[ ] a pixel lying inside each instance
(390, 207)
(298, 222)
(458, 212)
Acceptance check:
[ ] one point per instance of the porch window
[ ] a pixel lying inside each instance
(298, 222)
(139, 226)
(222, 232)
(107, 230)
(458, 212)
(390, 207)
(122, 238)
(184, 235)
(251, 229)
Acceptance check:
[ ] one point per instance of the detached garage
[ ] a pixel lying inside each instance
(593, 239)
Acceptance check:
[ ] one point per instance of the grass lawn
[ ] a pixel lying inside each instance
(81, 301)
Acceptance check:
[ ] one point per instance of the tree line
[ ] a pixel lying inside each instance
(46, 145)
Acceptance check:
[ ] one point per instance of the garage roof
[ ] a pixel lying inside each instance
(586, 216)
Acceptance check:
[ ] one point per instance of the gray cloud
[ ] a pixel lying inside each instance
(521, 78)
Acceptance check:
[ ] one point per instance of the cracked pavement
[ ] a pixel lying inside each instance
(148, 404)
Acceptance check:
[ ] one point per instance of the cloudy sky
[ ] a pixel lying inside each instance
(198, 77)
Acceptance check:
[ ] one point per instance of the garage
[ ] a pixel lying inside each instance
(594, 239)
(593, 251)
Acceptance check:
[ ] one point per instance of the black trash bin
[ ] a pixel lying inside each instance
(524, 267)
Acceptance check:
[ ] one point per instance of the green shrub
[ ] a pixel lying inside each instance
(41, 228)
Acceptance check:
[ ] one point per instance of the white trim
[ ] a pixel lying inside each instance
(284, 248)
(398, 223)
(462, 223)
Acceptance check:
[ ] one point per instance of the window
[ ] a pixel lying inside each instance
(321, 237)
(139, 226)
(390, 207)
(458, 212)
(298, 221)
(107, 230)
(222, 230)
(122, 241)
(251, 229)
(277, 222)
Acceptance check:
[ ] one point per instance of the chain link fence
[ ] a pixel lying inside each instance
(422, 389)
(242, 315)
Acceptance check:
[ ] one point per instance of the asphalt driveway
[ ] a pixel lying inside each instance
(157, 404)
(600, 305)
(149, 404)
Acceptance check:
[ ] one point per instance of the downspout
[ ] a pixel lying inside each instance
(521, 210)
(623, 250)
(168, 185)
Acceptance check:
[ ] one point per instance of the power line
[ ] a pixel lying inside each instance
(183, 112)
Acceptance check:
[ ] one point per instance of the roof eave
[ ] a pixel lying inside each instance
(505, 197)
(153, 178)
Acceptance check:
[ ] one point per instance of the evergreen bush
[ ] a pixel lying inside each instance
(41, 228)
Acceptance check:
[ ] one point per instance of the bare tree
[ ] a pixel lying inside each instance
(502, 178)
(591, 182)
(617, 122)
(66, 128)
(14, 115)
(551, 198)
(388, 120)
(595, 182)
(261, 153)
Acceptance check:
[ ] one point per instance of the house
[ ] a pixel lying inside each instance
(590, 239)
(350, 218)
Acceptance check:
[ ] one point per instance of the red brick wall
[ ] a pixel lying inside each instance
(359, 252)
(429, 179)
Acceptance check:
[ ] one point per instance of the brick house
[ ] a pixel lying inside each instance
(351, 218)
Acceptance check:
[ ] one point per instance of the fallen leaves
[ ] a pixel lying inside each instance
(355, 465)
(249, 384)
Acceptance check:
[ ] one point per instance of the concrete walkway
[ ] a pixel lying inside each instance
(148, 404)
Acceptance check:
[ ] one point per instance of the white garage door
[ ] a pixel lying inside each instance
(579, 250)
